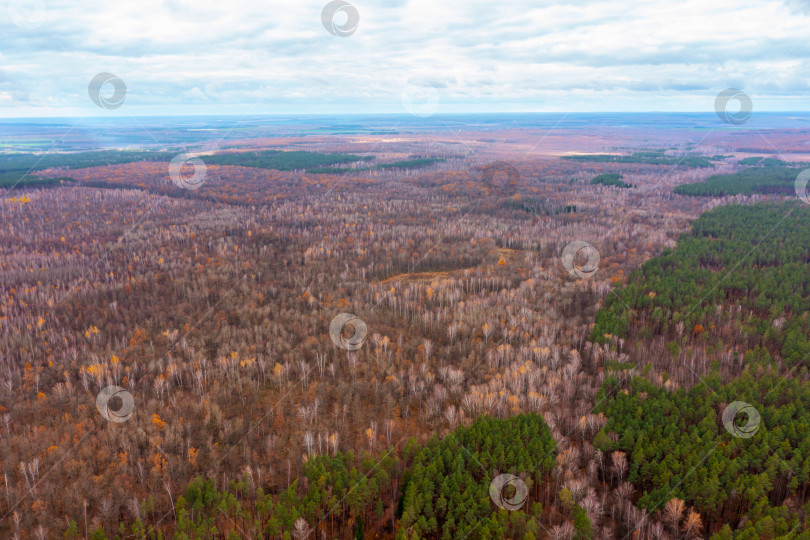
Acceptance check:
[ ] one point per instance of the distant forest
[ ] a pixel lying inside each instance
(284, 160)
(610, 179)
(771, 179)
(648, 157)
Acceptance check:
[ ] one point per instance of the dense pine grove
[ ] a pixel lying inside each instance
(16, 169)
(17, 179)
(650, 157)
(446, 488)
(284, 161)
(769, 179)
(730, 257)
(761, 161)
(610, 179)
(741, 270)
(677, 447)
(78, 160)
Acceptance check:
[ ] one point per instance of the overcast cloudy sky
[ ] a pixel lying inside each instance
(254, 56)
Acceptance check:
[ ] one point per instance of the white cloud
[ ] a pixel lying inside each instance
(206, 56)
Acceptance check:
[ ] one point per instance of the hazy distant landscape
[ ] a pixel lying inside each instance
(92, 133)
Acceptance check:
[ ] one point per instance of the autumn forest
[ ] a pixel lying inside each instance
(435, 330)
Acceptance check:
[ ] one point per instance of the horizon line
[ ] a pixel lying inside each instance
(397, 114)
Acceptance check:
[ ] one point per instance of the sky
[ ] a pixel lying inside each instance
(420, 56)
